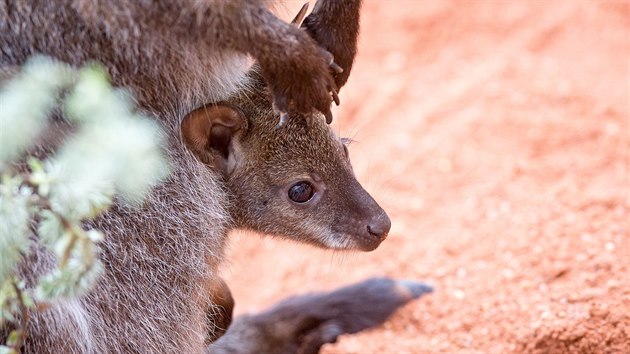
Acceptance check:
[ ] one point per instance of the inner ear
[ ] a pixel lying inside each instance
(212, 133)
(220, 138)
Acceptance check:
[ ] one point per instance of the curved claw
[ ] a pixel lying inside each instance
(336, 68)
(415, 288)
(330, 58)
(284, 117)
(329, 117)
(335, 97)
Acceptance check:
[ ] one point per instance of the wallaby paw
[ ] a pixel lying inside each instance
(301, 79)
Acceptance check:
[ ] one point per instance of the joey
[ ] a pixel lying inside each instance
(294, 182)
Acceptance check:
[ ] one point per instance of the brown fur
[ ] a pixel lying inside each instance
(161, 259)
(172, 54)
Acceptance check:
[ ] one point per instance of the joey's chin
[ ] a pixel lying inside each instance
(363, 238)
(352, 242)
(367, 243)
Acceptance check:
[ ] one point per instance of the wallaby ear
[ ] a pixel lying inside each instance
(297, 20)
(334, 25)
(212, 133)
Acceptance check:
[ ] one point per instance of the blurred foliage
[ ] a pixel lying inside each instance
(114, 151)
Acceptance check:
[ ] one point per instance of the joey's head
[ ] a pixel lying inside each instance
(295, 181)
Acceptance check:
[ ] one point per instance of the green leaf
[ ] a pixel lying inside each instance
(13, 337)
(50, 228)
(15, 216)
(73, 280)
(25, 103)
(7, 350)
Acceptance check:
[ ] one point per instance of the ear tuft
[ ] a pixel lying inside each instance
(211, 131)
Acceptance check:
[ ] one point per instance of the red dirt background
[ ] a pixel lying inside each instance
(495, 134)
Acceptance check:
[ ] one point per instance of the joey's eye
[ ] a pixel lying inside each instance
(345, 150)
(301, 192)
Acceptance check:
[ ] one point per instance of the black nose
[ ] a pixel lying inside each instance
(380, 226)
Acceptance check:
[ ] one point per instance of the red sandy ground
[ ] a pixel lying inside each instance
(496, 136)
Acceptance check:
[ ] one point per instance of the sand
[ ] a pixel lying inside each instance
(496, 135)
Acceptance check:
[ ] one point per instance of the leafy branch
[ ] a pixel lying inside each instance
(115, 151)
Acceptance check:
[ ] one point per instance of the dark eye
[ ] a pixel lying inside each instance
(345, 150)
(301, 192)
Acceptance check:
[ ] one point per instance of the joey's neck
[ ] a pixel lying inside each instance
(235, 210)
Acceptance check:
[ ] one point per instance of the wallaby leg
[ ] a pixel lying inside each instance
(334, 25)
(219, 315)
(302, 324)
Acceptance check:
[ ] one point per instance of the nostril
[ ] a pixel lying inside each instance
(379, 228)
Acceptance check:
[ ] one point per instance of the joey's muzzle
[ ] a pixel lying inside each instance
(377, 226)
(370, 224)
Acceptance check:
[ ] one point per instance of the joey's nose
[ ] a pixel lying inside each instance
(380, 226)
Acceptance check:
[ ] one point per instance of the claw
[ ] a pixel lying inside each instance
(336, 68)
(310, 119)
(329, 117)
(297, 21)
(284, 117)
(335, 97)
(415, 288)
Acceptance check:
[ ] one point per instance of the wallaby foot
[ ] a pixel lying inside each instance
(303, 324)
(219, 316)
